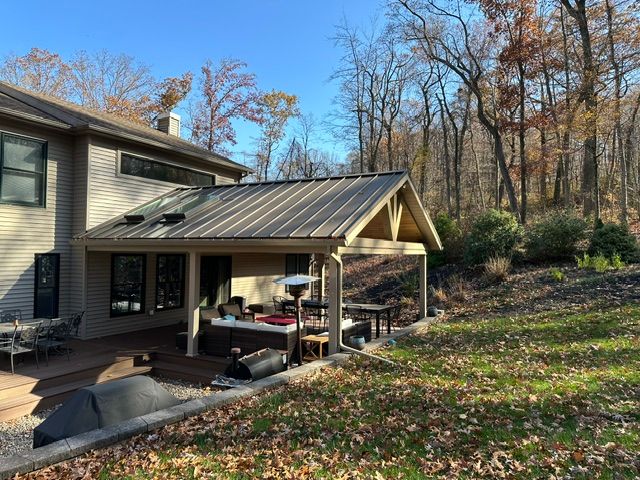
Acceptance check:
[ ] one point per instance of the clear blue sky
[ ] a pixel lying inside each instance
(286, 43)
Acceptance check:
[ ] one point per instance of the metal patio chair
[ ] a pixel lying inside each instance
(24, 340)
(55, 335)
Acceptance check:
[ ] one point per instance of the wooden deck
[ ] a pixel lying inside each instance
(97, 361)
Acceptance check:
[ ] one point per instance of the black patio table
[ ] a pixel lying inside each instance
(371, 308)
(376, 310)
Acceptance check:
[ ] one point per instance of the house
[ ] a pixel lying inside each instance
(65, 169)
(139, 228)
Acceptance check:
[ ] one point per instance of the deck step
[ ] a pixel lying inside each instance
(25, 404)
(91, 368)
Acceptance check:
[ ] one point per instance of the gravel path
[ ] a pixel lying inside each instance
(16, 435)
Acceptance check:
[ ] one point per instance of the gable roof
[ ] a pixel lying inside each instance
(333, 209)
(62, 114)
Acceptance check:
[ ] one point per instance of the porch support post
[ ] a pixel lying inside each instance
(321, 270)
(335, 301)
(193, 303)
(423, 285)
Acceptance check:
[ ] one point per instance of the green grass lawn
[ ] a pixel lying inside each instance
(553, 395)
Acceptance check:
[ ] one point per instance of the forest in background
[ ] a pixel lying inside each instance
(526, 106)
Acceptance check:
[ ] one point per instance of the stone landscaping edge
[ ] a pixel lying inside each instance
(34, 459)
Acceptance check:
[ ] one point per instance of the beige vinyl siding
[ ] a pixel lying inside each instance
(253, 275)
(99, 323)
(80, 194)
(111, 193)
(25, 231)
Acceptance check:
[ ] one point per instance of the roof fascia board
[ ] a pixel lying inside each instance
(419, 209)
(383, 247)
(40, 105)
(34, 119)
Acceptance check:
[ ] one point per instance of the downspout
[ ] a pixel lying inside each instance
(342, 346)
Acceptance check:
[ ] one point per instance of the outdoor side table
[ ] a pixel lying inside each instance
(314, 345)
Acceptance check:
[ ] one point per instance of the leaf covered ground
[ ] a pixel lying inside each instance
(554, 394)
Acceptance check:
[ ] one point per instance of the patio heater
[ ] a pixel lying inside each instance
(296, 290)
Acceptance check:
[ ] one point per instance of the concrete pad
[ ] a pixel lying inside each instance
(49, 454)
(91, 440)
(10, 466)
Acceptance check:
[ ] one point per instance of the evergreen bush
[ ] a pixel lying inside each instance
(494, 233)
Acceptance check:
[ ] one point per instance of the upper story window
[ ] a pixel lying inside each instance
(141, 167)
(23, 170)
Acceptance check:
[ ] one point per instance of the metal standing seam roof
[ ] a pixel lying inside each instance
(323, 208)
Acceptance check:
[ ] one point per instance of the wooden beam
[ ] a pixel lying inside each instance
(422, 281)
(335, 301)
(373, 246)
(193, 303)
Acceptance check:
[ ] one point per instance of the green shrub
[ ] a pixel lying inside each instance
(556, 274)
(610, 238)
(555, 237)
(616, 262)
(600, 263)
(584, 262)
(452, 239)
(494, 233)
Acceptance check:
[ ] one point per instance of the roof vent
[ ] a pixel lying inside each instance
(133, 218)
(169, 123)
(172, 217)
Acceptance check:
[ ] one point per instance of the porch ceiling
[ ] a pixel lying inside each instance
(311, 214)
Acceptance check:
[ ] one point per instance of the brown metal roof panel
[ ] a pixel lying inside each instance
(329, 205)
(335, 226)
(237, 214)
(312, 204)
(342, 209)
(272, 210)
(292, 209)
(227, 199)
(269, 208)
(230, 207)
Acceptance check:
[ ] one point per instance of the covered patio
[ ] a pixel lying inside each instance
(259, 228)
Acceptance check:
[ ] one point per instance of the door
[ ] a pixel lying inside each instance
(46, 293)
(215, 280)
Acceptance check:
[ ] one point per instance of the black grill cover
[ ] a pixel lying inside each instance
(102, 405)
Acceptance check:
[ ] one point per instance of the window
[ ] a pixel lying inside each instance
(23, 174)
(140, 167)
(170, 281)
(297, 264)
(127, 284)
